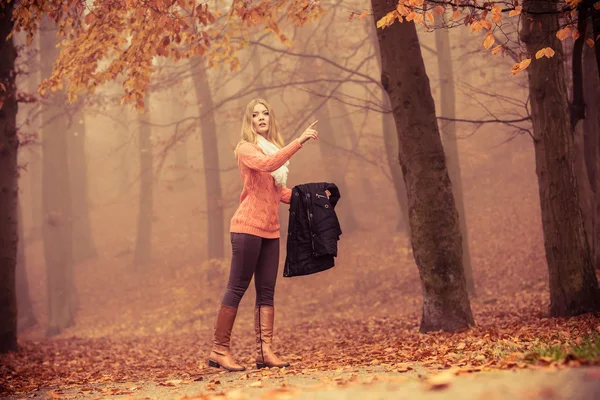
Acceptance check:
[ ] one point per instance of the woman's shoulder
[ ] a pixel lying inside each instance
(246, 144)
(245, 147)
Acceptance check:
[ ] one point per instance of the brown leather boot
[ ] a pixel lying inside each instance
(220, 355)
(264, 317)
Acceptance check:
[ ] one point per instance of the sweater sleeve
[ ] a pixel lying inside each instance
(253, 158)
(286, 195)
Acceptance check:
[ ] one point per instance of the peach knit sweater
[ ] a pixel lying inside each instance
(258, 212)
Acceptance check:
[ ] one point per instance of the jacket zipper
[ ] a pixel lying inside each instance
(308, 212)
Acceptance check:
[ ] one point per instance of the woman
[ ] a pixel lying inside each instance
(262, 161)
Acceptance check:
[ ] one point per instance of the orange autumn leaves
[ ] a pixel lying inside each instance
(107, 40)
(484, 17)
(520, 66)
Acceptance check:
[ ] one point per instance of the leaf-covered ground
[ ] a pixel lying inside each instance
(155, 327)
(151, 327)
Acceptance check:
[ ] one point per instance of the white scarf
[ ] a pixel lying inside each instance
(269, 148)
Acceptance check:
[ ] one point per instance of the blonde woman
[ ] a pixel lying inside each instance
(262, 160)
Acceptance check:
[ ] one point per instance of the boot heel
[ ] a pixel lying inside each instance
(214, 364)
(261, 365)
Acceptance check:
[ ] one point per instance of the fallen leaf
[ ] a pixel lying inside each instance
(236, 394)
(403, 367)
(441, 380)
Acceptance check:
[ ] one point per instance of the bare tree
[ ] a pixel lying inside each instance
(84, 247)
(210, 155)
(573, 284)
(9, 144)
(142, 255)
(56, 187)
(450, 142)
(390, 140)
(26, 316)
(591, 149)
(435, 230)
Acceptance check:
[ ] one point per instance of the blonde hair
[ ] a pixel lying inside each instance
(249, 134)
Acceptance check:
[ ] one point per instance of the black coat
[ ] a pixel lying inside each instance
(313, 230)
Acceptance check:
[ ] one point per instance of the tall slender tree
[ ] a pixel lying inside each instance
(84, 247)
(142, 255)
(390, 141)
(333, 167)
(9, 144)
(26, 317)
(56, 193)
(450, 142)
(210, 154)
(435, 230)
(591, 147)
(573, 285)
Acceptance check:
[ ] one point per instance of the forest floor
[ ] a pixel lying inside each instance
(147, 334)
(351, 332)
(349, 383)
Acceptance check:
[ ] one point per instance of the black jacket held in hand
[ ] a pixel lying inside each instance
(313, 230)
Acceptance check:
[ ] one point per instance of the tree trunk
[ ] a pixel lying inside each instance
(56, 193)
(587, 196)
(591, 147)
(334, 170)
(34, 165)
(435, 231)
(34, 171)
(210, 155)
(181, 172)
(83, 247)
(345, 125)
(9, 144)
(26, 317)
(334, 161)
(124, 150)
(448, 110)
(390, 141)
(142, 255)
(573, 284)
(596, 35)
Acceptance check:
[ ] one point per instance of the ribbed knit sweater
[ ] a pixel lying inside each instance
(258, 212)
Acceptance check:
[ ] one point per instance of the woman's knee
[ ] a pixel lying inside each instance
(232, 298)
(265, 296)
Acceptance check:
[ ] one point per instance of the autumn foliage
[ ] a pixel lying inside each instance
(109, 38)
(489, 18)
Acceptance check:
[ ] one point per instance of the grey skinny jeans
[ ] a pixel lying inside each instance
(252, 255)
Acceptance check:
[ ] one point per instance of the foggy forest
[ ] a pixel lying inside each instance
(464, 140)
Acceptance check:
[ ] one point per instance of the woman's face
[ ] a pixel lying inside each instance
(260, 119)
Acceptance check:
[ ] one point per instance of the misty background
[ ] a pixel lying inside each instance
(150, 195)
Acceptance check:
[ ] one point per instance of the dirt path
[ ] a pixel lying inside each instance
(350, 384)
